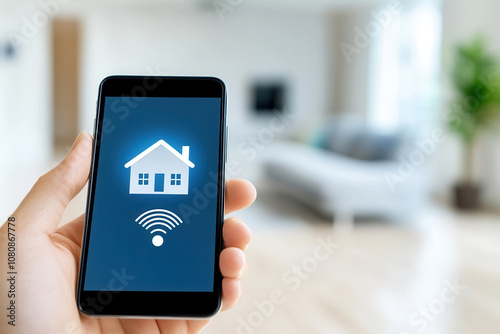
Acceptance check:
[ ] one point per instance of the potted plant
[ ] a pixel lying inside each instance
(474, 109)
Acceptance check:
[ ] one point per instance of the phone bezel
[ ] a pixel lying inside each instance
(155, 304)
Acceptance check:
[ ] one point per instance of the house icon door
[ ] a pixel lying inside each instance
(159, 183)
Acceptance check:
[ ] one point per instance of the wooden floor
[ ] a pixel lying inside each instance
(438, 275)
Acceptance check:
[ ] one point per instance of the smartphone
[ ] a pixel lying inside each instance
(155, 208)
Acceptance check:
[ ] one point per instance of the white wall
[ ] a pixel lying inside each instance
(350, 94)
(25, 112)
(249, 44)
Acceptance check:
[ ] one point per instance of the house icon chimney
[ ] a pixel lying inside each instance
(185, 152)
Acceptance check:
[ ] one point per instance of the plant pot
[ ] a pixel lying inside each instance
(467, 196)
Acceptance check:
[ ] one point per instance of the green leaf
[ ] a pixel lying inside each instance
(475, 105)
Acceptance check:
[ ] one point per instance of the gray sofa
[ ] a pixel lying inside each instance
(346, 173)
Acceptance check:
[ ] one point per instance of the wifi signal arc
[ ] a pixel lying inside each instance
(159, 211)
(159, 217)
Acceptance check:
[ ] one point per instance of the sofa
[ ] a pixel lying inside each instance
(347, 173)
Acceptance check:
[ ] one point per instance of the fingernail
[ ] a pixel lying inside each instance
(254, 191)
(243, 260)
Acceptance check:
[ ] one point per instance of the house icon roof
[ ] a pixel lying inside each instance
(183, 157)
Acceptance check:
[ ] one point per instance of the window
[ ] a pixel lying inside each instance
(404, 71)
(175, 179)
(143, 179)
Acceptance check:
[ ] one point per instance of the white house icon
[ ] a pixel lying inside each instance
(160, 170)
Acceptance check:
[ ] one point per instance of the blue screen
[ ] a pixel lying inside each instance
(153, 225)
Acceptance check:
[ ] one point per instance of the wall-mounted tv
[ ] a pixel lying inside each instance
(268, 97)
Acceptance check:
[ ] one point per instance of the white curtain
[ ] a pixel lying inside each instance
(405, 67)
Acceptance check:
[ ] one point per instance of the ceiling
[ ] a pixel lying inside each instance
(76, 6)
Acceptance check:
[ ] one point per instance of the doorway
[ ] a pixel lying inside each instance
(159, 183)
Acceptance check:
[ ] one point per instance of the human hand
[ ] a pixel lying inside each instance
(47, 257)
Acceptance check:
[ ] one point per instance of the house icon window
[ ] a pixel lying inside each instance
(175, 180)
(144, 179)
(160, 170)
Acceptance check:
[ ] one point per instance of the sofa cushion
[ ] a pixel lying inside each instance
(358, 142)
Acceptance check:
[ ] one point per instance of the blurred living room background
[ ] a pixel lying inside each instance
(365, 124)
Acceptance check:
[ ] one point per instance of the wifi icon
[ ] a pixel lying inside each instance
(157, 221)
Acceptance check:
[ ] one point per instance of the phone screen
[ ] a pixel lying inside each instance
(155, 201)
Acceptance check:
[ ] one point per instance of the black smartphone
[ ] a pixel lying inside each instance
(155, 208)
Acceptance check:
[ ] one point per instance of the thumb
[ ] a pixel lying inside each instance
(42, 209)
